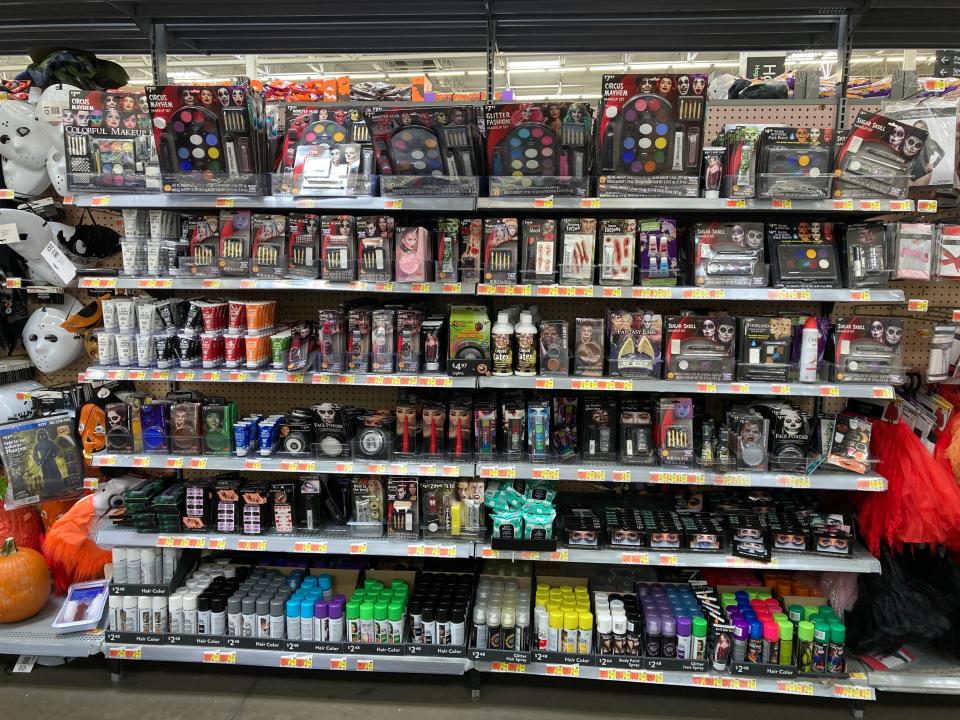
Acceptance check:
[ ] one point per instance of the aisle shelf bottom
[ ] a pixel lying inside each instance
(274, 658)
(852, 688)
(933, 673)
(35, 637)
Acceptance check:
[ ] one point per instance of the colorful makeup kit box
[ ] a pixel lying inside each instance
(210, 138)
(795, 162)
(426, 150)
(539, 148)
(107, 141)
(700, 348)
(877, 157)
(803, 254)
(729, 254)
(651, 135)
(325, 147)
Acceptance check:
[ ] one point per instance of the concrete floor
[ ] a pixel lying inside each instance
(82, 689)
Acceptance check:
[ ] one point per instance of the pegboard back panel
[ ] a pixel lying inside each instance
(788, 113)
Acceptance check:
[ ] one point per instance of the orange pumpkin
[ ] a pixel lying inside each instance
(24, 582)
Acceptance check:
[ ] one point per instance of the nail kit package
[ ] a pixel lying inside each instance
(538, 148)
(209, 139)
(795, 162)
(578, 240)
(657, 251)
(337, 247)
(877, 157)
(634, 343)
(269, 245)
(501, 250)
(868, 349)
(303, 245)
(107, 141)
(729, 254)
(803, 254)
(412, 144)
(651, 135)
(700, 348)
(618, 241)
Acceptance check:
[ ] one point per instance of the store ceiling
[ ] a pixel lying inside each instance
(390, 26)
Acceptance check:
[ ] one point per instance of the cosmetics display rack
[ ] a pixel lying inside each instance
(841, 390)
(855, 687)
(35, 637)
(501, 471)
(398, 287)
(460, 204)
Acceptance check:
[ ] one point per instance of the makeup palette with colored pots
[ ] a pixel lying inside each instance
(803, 254)
(433, 149)
(537, 148)
(209, 139)
(795, 162)
(651, 128)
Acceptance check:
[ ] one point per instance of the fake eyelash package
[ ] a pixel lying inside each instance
(877, 157)
(794, 163)
(729, 254)
(651, 135)
(539, 148)
(210, 139)
(426, 151)
(107, 142)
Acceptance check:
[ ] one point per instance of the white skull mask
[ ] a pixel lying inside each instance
(49, 346)
(754, 239)
(737, 235)
(725, 333)
(709, 329)
(894, 333)
(792, 423)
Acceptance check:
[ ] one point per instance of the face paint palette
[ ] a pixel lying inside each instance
(877, 157)
(538, 148)
(729, 254)
(209, 139)
(650, 136)
(426, 150)
(868, 349)
(795, 163)
(109, 150)
(803, 254)
(700, 347)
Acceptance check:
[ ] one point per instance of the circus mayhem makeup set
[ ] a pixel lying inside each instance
(209, 139)
(539, 148)
(651, 135)
(107, 141)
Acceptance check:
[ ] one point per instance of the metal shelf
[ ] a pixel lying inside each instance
(35, 637)
(933, 673)
(859, 561)
(680, 476)
(845, 205)
(695, 293)
(312, 543)
(97, 372)
(843, 390)
(399, 288)
(276, 464)
(185, 201)
(277, 658)
(854, 688)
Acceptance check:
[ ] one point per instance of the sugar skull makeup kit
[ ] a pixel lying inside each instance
(650, 136)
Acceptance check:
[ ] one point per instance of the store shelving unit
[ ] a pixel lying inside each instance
(360, 203)
(299, 284)
(653, 204)
(34, 636)
(576, 292)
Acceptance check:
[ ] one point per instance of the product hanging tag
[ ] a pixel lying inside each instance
(9, 234)
(60, 263)
(25, 664)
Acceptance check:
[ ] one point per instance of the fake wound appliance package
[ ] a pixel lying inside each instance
(107, 141)
(209, 139)
(651, 135)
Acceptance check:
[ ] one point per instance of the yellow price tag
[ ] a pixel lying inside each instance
(14, 283)
(882, 393)
(338, 663)
(871, 205)
(918, 305)
(252, 545)
(872, 484)
(105, 460)
(393, 204)
(450, 471)
(357, 549)
(343, 467)
(161, 375)
(590, 203)
(210, 376)
(304, 662)
(591, 474)
(740, 388)
(843, 204)
(853, 692)
(6, 194)
(797, 482)
(861, 295)
(365, 665)
(543, 203)
(197, 463)
(901, 205)
(634, 559)
(173, 463)
(542, 383)
(217, 543)
(254, 465)
(735, 203)
(829, 391)
(453, 288)
(142, 461)
(620, 475)
(91, 483)
(489, 554)
(508, 667)
(310, 546)
(559, 556)
(651, 293)
(794, 687)
(545, 473)
(782, 204)
(426, 470)
(99, 201)
(219, 657)
(733, 480)
(669, 559)
(927, 206)
(611, 292)
(223, 202)
(563, 670)
(706, 387)
(210, 284)
(780, 389)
